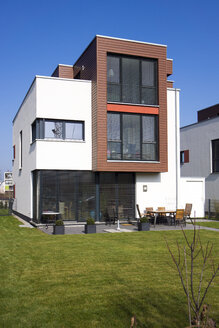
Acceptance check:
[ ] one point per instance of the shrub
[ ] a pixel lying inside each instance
(1, 205)
(59, 223)
(90, 221)
(144, 219)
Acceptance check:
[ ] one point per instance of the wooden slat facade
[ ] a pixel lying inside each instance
(94, 62)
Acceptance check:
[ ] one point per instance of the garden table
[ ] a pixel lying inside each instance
(156, 213)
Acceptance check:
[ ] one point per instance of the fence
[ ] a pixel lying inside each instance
(212, 208)
(6, 207)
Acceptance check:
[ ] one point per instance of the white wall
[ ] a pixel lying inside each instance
(68, 100)
(162, 188)
(51, 98)
(197, 139)
(193, 192)
(22, 177)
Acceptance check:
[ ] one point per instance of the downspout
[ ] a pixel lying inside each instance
(177, 148)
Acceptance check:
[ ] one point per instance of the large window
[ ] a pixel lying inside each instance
(132, 137)
(131, 80)
(56, 129)
(215, 155)
(77, 195)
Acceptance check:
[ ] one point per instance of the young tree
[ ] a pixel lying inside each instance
(191, 262)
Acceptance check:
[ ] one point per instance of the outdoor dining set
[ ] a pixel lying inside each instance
(165, 216)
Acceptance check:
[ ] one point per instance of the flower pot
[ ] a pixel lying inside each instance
(90, 228)
(143, 226)
(58, 230)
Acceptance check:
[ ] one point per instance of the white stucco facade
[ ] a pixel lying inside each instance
(50, 98)
(163, 188)
(70, 100)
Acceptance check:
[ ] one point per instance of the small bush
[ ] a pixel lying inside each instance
(1, 205)
(59, 223)
(6, 205)
(144, 219)
(90, 221)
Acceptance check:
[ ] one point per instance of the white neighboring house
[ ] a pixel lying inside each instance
(83, 145)
(200, 150)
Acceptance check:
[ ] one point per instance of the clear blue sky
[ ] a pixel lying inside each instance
(35, 36)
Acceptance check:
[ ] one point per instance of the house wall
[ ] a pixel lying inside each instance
(193, 192)
(197, 139)
(66, 100)
(163, 188)
(22, 177)
(50, 98)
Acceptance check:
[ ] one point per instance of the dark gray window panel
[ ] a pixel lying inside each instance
(139, 137)
(57, 129)
(131, 137)
(113, 71)
(215, 155)
(77, 195)
(132, 80)
(113, 127)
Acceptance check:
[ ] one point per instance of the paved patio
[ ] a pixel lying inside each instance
(103, 228)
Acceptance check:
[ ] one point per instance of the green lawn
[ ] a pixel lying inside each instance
(4, 211)
(213, 224)
(97, 280)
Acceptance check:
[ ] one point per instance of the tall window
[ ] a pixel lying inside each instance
(131, 80)
(20, 150)
(215, 155)
(57, 129)
(132, 137)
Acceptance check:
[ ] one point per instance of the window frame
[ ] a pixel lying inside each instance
(121, 142)
(215, 159)
(140, 85)
(39, 126)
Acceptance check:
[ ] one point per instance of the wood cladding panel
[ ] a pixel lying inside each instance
(169, 67)
(63, 71)
(107, 45)
(169, 84)
(88, 59)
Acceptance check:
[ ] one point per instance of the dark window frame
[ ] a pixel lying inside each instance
(184, 156)
(215, 155)
(140, 85)
(121, 142)
(38, 129)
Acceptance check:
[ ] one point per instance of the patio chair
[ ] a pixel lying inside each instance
(179, 217)
(188, 210)
(162, 216)
(150, 215)
(110, 215)
(138, 210)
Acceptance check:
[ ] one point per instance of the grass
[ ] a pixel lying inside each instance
(98, 280)
(213, 224)
(4, 211)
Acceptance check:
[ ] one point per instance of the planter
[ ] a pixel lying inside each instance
(90, 228)
(58, 230)
(143, 226)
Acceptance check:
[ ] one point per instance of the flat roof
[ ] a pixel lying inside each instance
(121, 39)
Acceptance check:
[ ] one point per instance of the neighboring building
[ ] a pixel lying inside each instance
(200, 150)
(6, 186)
(101, 133)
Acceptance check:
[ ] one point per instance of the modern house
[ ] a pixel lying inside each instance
(101, 133)
(200, 150)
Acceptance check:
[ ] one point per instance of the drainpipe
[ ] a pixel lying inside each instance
(177, 134)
